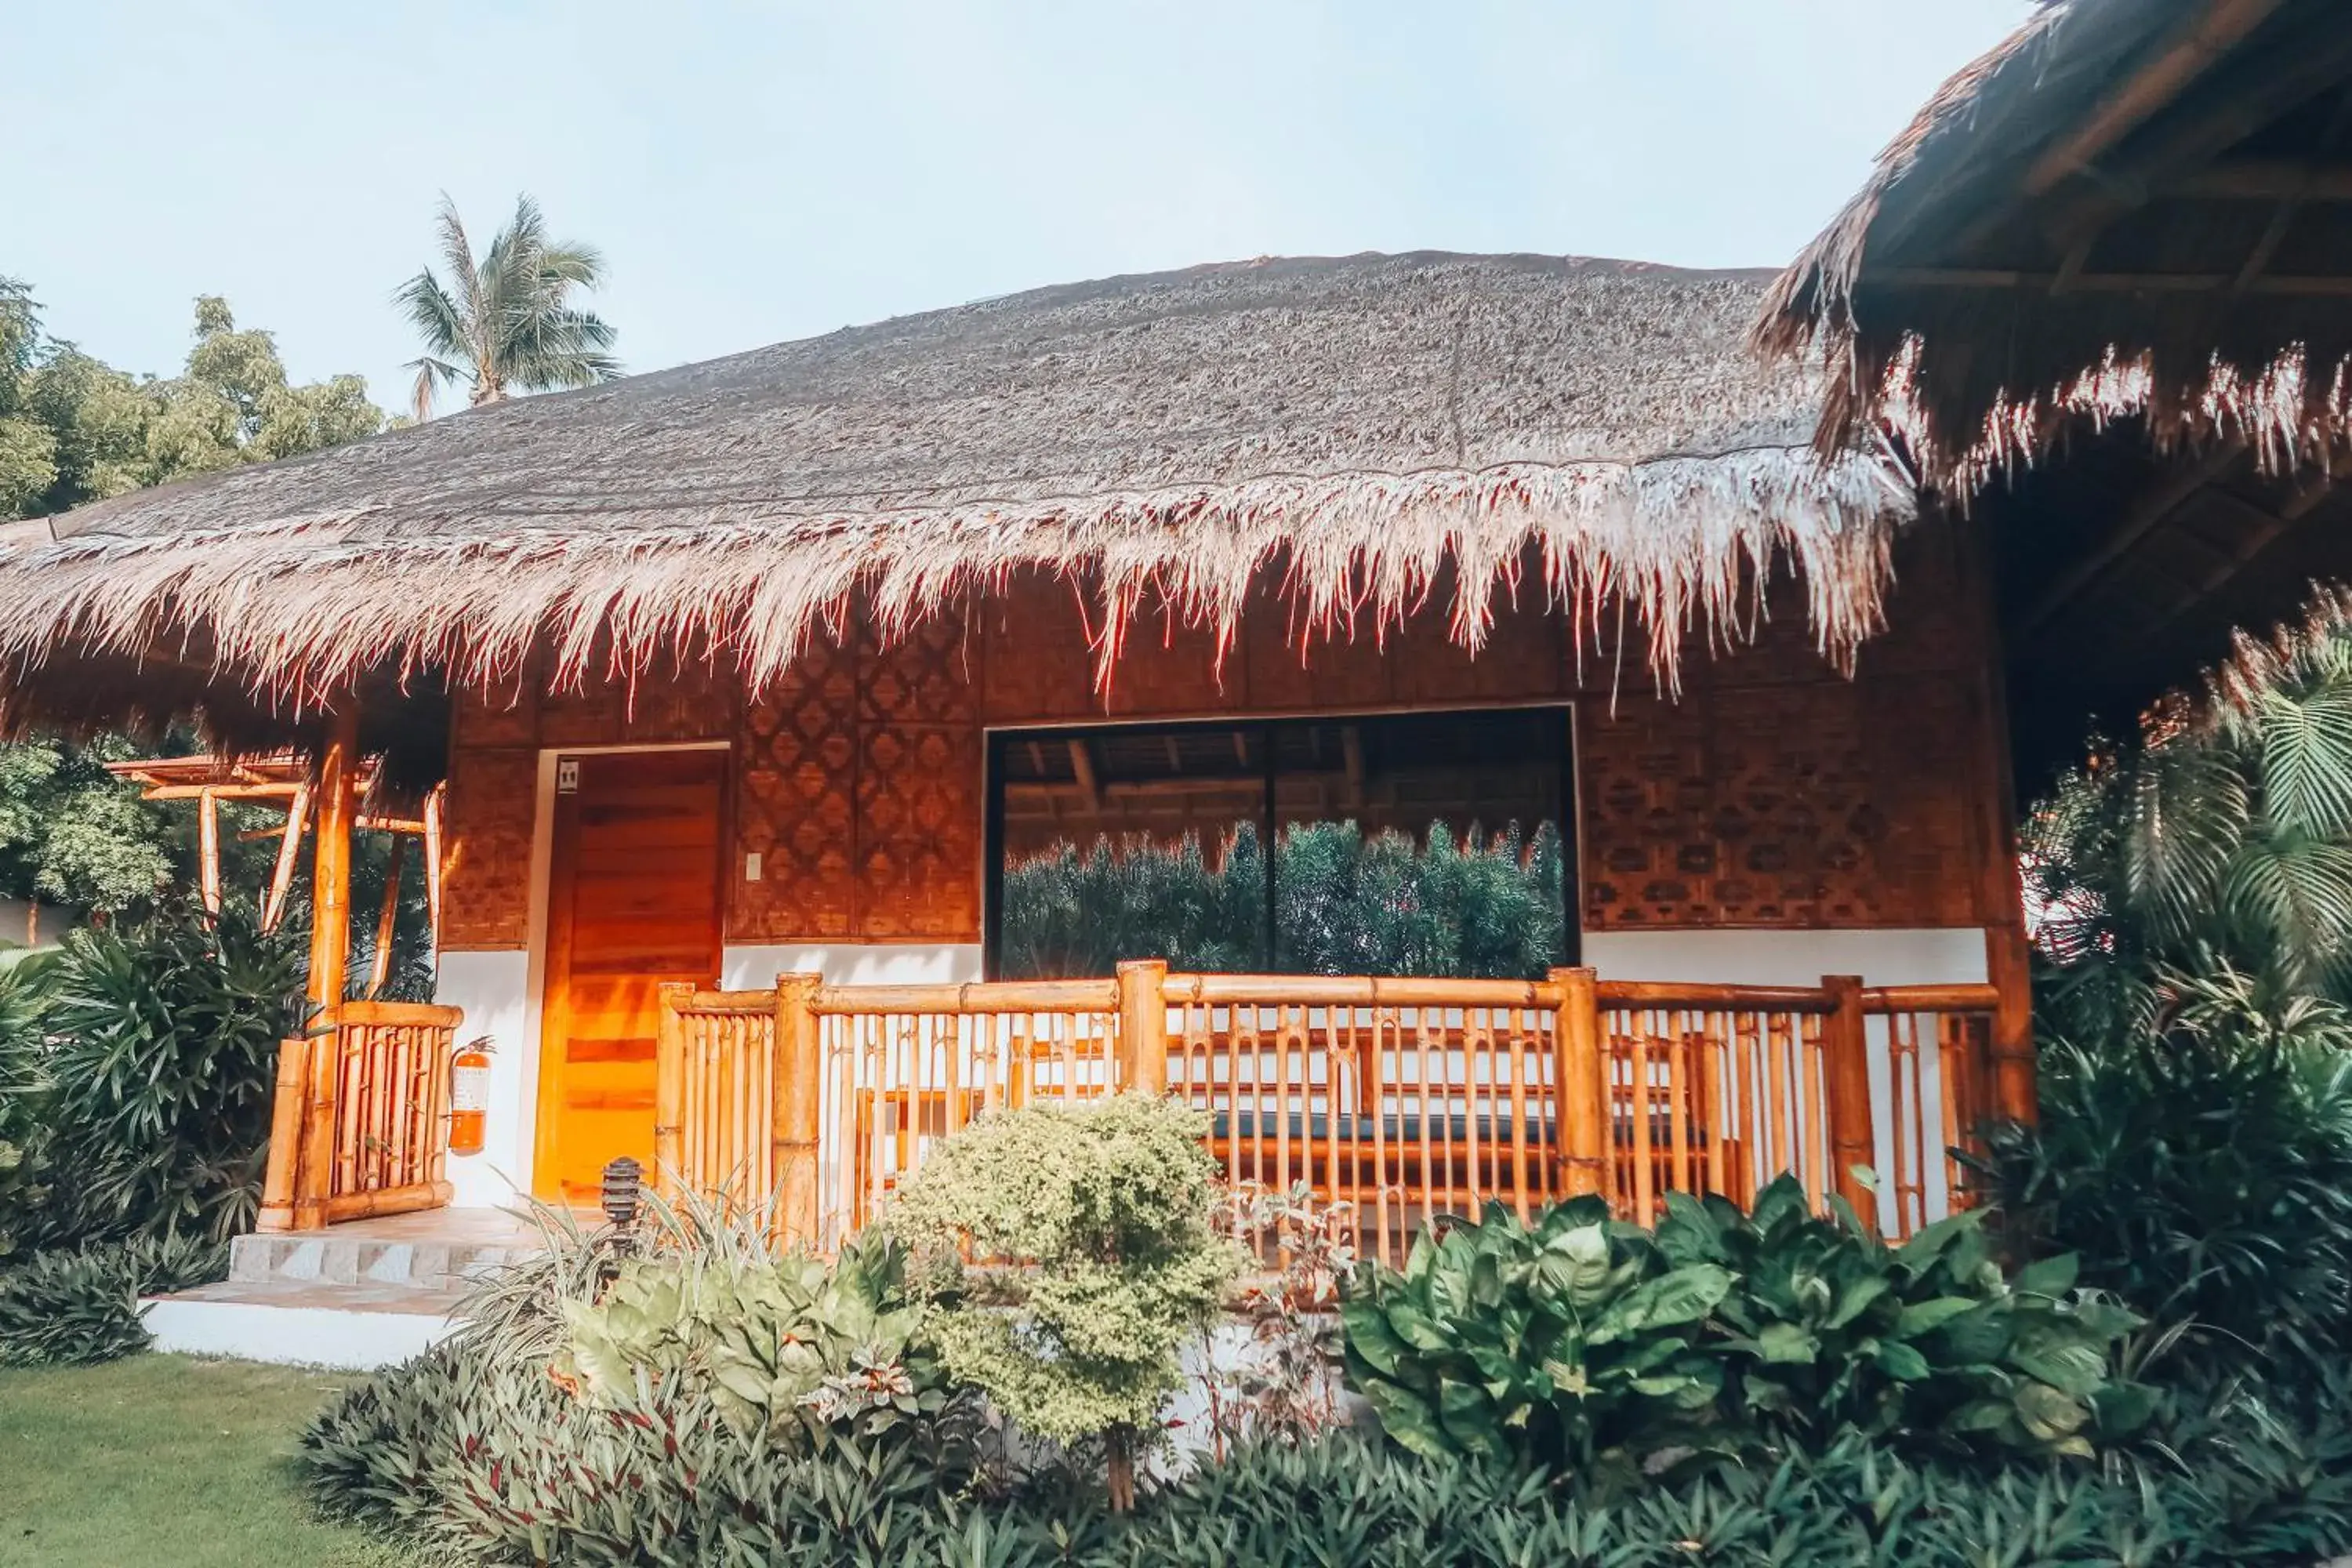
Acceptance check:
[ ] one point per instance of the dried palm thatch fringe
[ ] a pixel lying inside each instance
(1685, 540)
(1362, 434)
(1977, 381)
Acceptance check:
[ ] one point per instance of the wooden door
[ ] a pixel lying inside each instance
(635, 901)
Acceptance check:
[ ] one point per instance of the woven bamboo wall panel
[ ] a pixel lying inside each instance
(1830, 805)
(919, 834)
(486, 877)
(858, 781)
(796, 804)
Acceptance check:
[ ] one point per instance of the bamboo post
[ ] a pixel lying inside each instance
(1143, 1025)
(314, 1156)
(208, 844)
(285, 1137)
(796, 1088)
(387, 924)
(1845, 1062)
(331, 878)
(435, 805)
(1582, 1126)
(330, 937)
(2009, 965)
(669, 1088)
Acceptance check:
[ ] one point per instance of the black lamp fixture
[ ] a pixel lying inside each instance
(623, 1193)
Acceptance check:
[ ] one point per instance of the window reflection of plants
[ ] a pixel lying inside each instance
(1345, 903)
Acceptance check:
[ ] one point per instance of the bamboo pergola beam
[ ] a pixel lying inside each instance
(281, 877)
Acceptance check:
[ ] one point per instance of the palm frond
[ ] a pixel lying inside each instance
(2188, 808)
(2293, 897)
(2306, 749)
(432, 375)
(439, 319)
(456, 253)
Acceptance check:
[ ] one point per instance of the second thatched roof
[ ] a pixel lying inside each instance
(2128, 208)
(1371, 431)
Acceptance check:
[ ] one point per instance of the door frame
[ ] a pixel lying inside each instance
(539, 1015)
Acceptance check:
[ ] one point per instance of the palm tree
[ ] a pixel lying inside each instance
(506, 324)
(2222, 844)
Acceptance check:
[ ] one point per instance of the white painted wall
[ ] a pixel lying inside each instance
(494, 988)
(847, 963)
(1790, 957)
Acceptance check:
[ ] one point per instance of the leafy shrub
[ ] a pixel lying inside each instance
(1579, 1338)
(23, 1130)
(74, 1308)
(1558, 1342)
(1833, 1331)
(149, 1079)
(652, 1428)
(505, 1469)
(1103, 1263)
(788, 1339)
(2200, 1169)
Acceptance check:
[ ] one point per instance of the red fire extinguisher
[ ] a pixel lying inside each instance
(470, 1097)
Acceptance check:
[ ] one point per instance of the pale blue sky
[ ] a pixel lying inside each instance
(758, 172)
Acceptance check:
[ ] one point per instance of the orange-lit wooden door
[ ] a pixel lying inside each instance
(634, 901)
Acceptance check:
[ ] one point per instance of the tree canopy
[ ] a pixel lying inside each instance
(76, 430)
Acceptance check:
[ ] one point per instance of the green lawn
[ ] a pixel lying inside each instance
(165, 1460)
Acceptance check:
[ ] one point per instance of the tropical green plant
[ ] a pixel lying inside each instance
(1831, 1330)
(1102, 1264)
(1578, 1341)
(1561, 1343)
(776, 1340)
(506, 324)
(2226, 841)
(2200, 1166)
(74, 429)
(147, 1092)
(495, 1467)
(73, 1307)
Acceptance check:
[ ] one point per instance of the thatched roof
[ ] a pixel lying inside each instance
(2130, 209)
(1370, 430)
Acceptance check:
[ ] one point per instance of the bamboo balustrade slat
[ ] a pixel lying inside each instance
(1399, 1099)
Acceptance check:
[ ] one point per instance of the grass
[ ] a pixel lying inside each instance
(167, 1460)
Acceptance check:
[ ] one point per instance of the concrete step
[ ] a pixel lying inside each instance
(303, 1323)
(330, 1260)
(436, 1252)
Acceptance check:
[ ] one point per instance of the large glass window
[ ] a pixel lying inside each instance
(1408, 844)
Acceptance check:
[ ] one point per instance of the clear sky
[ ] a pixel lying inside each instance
(755, 172)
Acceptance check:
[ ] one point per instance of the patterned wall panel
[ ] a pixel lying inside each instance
(486, 885)
(795, 804)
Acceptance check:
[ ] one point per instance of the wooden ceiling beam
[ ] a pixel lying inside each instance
(1991, 277)
(2267, 180)
(2213, 31)
(2137, 522)
(2264, 528)
(2093, 192)
(1082, 762)
(2283, 214)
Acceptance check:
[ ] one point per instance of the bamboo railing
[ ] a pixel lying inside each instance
(362, 1117)
(1401, 1099)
